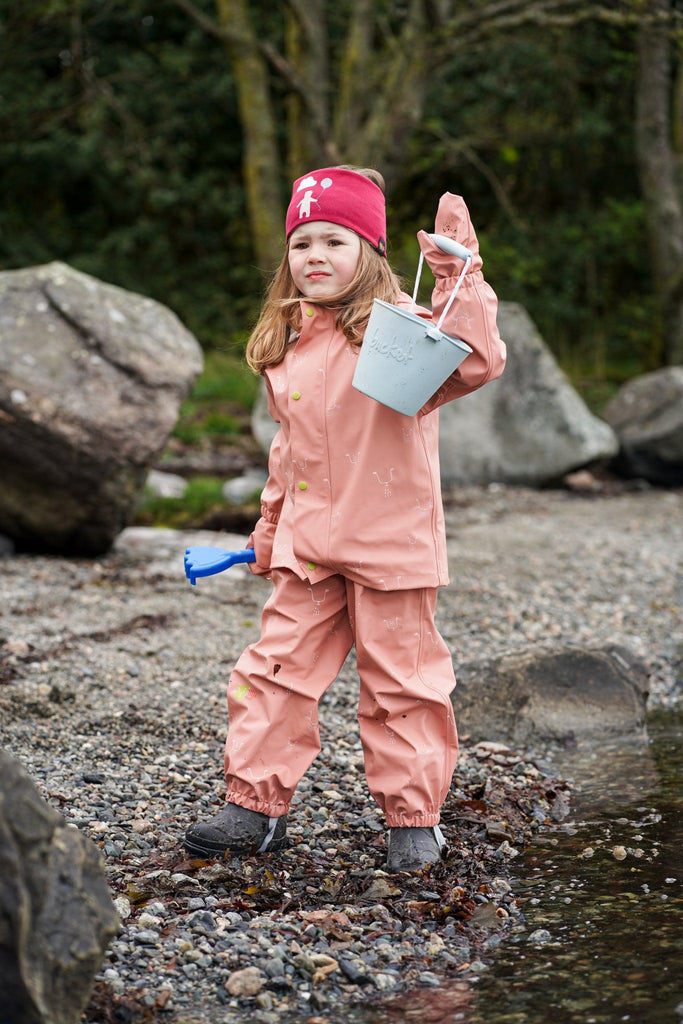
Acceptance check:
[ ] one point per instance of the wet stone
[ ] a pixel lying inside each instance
(202, 921)
(354, 972)
(274, 968)
(428, 979)
(384, 981)
(147, 920)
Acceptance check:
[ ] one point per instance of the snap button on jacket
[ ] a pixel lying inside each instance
(354, 487)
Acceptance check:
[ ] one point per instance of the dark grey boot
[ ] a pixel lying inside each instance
(237, 829)
(414, 848)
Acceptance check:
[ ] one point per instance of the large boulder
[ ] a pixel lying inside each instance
(528, 427)
(573, 693)
(647, 415)
(91, 378)
(56, 914)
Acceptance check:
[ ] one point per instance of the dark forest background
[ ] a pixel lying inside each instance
(152, 143)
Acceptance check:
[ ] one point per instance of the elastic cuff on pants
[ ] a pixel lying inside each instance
(254, 804)
(419, 820)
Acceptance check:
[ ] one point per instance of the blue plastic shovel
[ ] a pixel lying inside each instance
(209, 561)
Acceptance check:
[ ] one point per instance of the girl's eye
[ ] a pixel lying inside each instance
(336, 241)
(299, 245)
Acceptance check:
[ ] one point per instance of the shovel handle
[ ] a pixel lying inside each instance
(450, 245)
(200, 561)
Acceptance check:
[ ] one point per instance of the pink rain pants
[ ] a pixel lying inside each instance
(406, 720)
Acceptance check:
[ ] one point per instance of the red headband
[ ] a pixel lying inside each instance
(341, 197)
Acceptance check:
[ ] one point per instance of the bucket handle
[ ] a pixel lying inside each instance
(448, 245)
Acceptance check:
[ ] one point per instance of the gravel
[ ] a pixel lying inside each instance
(112, 680)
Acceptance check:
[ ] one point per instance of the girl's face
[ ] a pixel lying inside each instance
(323, 258)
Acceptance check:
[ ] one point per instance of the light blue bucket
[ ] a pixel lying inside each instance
(404, 359)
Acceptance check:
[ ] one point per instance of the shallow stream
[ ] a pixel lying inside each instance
(603, 897)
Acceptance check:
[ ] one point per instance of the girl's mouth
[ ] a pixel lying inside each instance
(316, 275)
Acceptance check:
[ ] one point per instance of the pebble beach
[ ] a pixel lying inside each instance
(112, 695)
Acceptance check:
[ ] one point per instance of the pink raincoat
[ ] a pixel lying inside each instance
(354, 487)
(352, 532)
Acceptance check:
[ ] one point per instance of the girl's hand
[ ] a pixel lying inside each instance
(262, 541)
(452, 220)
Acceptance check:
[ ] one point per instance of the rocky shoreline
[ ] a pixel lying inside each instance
(112, 678)
(320, 925)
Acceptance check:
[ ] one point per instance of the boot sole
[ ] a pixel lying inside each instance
(394, 869)
(209, 851)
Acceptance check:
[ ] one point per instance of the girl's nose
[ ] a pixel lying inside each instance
(315, 255)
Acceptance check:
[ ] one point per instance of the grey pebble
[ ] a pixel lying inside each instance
(478, 966)
(353, 971)
(158, 909)
(202, 921)
(274, 968)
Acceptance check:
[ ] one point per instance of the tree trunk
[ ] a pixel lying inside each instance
(261, 161)
(354, 65)
(678, 122)
(382, 119)
(306, 48)
(659, 174)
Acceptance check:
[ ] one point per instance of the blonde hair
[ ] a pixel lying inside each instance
(281, 313)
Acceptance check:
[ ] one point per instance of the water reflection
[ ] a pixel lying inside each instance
(617, 772)
(608, 892)
(602, 901)
(447, 1003)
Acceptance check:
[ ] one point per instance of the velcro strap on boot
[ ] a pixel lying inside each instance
(269, 835)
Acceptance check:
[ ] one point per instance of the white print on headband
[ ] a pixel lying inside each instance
(304, 206)
(307, 182)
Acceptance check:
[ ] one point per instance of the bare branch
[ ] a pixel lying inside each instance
(279, 64)
(470, 27)
(284, 68)
(496, 186)
(210, 26)
(465, 147)
(302, 13)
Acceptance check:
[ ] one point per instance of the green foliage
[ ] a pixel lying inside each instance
(220, 400)
(202, 496)
(540, 143)
(121, 153)
(120, 150)
(226, 377)
(195, 423)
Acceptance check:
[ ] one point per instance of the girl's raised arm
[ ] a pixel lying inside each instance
(472, 317)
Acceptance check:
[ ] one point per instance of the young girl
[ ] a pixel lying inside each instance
(352, 528)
